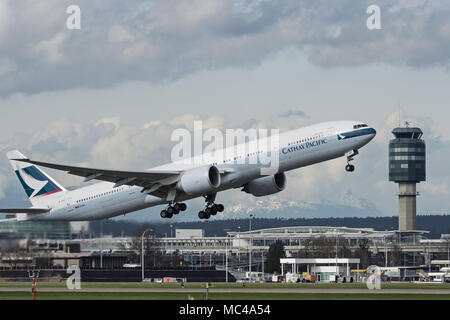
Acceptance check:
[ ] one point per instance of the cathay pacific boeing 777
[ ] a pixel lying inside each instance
(171, 185)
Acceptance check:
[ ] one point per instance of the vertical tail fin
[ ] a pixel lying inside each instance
(36, 183)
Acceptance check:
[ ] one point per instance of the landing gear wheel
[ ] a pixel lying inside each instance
(350, 168)
(163, 214)
(211, 211)
(169, 215)
(201, 214)
(170, 210)
(183, 206)
(211, 208)
(214, 209)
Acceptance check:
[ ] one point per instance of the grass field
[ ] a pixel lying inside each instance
(215, 296)
(193, 285)
(9, 292)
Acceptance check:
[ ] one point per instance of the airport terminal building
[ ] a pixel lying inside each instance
(412, 246)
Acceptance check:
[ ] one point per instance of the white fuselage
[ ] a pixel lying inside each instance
(297, 148)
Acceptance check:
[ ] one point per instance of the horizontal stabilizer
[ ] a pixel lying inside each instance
(25, 210)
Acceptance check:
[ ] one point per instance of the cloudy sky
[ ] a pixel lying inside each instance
(110, 94)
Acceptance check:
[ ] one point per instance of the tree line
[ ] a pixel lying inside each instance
(435, 224)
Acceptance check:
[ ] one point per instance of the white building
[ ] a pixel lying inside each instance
(189, 233)
(322, 268)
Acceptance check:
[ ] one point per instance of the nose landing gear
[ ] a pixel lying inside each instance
(349, 167)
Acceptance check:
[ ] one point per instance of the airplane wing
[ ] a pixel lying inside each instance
(31, 211)
(150, 180)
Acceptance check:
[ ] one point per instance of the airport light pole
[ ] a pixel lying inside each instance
(429, 258)
(239, 245)
(428, 253)
(251, 245)
(385, 252)
(262, 257)
(142, 251)
(226, 254)
(336, 252)
(101, 244)
(448, 250)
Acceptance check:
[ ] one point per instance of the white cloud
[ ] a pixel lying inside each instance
(317, 182)
(118, 33)
(165, 40)
(152, 124)
(112, 120)
(6, 66)
(51, 49)
(6, 19)
(437, 189)
(187, 121)
(193, 14)
(3, 185)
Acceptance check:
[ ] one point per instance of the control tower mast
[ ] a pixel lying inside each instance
(407, 168)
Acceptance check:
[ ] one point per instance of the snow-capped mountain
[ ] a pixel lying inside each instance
(271, 207)
(275, 206)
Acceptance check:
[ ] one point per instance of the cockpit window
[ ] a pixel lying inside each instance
(357, 126)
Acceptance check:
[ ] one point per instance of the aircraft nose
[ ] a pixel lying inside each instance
(372, 133)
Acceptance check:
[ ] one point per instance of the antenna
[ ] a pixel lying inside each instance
(399, 114)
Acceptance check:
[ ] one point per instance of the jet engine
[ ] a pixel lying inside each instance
(200, 180)
(266, 185)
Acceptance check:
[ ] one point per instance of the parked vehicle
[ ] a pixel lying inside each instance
(244, 280)
(277, 278)
(337, 278)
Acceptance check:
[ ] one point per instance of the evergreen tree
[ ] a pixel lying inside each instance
(363, 253)
(275, 253)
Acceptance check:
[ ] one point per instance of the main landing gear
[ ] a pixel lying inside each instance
(173, 209)
(349, 167)
(211, 208)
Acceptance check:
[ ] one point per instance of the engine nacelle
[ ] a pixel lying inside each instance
(200, 180)
(266, 185)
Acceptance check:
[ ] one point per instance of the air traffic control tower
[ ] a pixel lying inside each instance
(407, 168)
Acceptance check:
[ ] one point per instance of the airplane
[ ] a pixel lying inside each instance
(121, 192)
